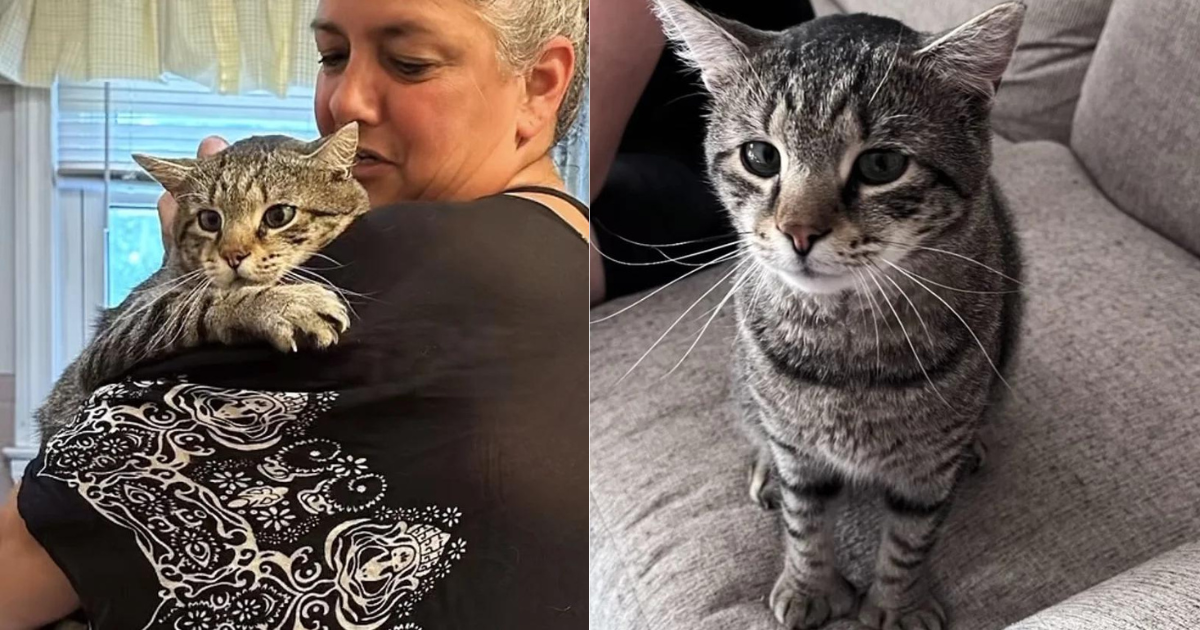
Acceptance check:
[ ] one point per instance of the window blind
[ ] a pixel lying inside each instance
(167, 119)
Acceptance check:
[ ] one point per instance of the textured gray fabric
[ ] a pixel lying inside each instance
(1162, 594)
(1138, 125)
(1092, 470)
(612, 591)
(1038, 96)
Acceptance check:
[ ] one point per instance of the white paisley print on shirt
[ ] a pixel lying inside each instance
(249, 523)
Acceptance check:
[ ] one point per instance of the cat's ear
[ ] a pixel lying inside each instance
(338, 150)
(976, 54)
(715, 46)
(169, 172)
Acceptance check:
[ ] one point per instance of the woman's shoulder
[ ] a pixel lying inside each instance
(502, 245)
(526, 208)
(490, 226)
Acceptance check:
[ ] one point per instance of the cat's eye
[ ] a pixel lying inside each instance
(278, 215)
(876, 168)
(209, 220)
(761, 158)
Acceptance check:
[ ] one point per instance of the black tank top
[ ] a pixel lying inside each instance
(430, 471)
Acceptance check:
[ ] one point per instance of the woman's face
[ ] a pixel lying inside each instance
(436, 111)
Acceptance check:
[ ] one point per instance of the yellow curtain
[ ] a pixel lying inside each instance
(232, 46)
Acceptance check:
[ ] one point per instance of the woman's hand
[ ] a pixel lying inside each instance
(167, 208)
(33, 590)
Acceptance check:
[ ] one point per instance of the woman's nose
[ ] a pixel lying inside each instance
(355, 98)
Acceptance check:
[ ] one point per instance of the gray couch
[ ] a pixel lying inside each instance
(1088, 513)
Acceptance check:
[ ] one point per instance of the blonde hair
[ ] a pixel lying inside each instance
(523, 27)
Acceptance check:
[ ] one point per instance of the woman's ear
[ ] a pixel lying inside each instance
(546, 84)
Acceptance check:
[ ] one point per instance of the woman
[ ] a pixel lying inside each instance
(430, 470)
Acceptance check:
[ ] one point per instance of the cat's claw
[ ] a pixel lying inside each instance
(305, 314)
(927, 615)
(764, 489)
(799, 605)
(977, 457)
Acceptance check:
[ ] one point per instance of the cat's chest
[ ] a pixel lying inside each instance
(857, 424)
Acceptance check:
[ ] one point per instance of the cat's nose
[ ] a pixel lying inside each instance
(235, 258)
(804, 236)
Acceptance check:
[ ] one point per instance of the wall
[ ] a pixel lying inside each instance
(7, 272)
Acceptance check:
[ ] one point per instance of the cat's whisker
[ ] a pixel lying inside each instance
(964, 323)
(717, 311)
(679, 260)
(173, 325)
(192, 299)
(745, 273)
(679, 319)
(170, 283)
(163, 291)
(761, 282)
(916, 311)
(891, 65)
(698, 93)
(956, 255)
(706, 239)
(721, 259)
(947, 287)
(669, 258)
(294, 274)
(309, 271)
(875, 304)
(874, 319)
(328, 258)
(909, 340)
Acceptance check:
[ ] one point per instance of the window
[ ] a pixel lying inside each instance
(133, 249)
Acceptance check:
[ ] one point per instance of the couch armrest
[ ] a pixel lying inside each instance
(1161, 594)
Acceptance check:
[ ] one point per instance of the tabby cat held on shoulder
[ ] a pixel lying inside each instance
(879, 303)
(249, 218)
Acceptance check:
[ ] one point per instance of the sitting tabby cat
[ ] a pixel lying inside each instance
(880, 309)
(248, 218)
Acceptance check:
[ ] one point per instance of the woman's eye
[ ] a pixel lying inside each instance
(876, 168)
(279, 215)
(332, 61)
(761, 158)
(410, 69)
(209, 220)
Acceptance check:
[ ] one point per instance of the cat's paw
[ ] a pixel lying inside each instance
(925, 615)
(808, 604)
(764, 489)
(305, 314)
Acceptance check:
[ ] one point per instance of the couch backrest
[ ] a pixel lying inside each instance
(1038, 96)
(1137, 127)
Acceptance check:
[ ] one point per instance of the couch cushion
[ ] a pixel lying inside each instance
(1137, 128)
(1162, 594)
(1093, 469)
(1038, 96)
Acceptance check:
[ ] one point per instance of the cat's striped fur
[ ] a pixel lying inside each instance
(241, 282)
(871, 346)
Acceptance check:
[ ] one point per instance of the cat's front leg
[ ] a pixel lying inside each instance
(810, 591)
(899, 598)
(287, 316)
